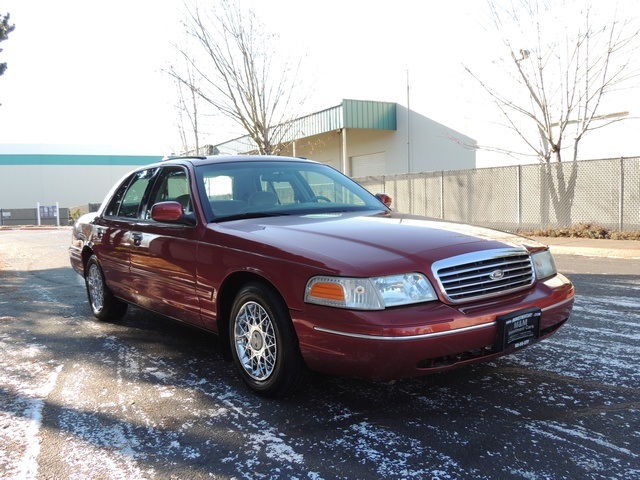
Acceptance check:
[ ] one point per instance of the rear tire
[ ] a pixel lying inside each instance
(104, 305)
(264, 344)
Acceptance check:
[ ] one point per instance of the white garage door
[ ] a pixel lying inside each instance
(368, 165)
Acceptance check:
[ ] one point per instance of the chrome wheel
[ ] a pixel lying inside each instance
(263, 342)
(95, 286)
(103, 304)
(255, 341)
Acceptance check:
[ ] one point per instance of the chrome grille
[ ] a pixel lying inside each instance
(484, 274)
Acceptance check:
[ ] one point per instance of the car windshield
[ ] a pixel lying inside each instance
(249, 189)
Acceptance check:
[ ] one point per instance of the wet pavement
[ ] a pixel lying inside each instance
(148, 398)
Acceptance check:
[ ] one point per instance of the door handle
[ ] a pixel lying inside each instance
(137, 239)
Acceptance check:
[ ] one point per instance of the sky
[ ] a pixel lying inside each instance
(90, 74)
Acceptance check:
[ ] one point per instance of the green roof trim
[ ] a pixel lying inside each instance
(370, 115)
(77, 160)
(350, 114)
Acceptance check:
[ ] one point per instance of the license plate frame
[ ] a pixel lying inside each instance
(518, 329)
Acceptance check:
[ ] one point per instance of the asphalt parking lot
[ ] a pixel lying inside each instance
(149, 398)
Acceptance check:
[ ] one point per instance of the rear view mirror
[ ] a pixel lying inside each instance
(384, 198)
(171, 212)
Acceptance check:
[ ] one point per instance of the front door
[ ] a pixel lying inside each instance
(163, 255)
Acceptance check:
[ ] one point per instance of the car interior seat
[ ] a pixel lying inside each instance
(262, 199)
(185, 201)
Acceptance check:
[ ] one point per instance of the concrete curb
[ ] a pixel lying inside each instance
(629, 249)
(33, 227)
(596, 252)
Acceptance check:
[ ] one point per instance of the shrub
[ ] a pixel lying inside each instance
(582, 230)
(74, 214)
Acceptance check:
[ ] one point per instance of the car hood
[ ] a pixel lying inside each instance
(376, 244)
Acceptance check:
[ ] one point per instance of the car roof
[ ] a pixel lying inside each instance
(206, 160)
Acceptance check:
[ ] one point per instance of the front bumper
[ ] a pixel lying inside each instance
(417, 340)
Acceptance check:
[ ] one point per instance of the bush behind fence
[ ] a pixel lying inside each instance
(521, 197)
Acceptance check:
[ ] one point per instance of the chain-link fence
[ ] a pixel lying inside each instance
(523, 197)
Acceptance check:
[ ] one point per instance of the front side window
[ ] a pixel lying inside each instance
(172, 185)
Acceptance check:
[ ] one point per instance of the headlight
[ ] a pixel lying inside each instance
(375, 293)
(543, 264)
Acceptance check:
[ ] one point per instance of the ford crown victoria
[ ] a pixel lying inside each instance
(298, 268)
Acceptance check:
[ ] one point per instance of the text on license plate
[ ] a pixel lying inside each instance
(518, 329)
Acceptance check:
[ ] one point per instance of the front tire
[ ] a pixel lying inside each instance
(264, 344)
(104, 305)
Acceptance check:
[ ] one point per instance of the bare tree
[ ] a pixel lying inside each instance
(237, 72)
(188, 106)
(562, 60)
(5, 30)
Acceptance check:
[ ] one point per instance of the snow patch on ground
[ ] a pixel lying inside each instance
(26, 381)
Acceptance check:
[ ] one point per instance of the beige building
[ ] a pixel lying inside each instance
(359, 138)
(363, 138)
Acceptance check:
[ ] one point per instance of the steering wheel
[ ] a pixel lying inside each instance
(315, 198)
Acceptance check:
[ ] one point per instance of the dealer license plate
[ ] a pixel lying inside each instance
(518, 329)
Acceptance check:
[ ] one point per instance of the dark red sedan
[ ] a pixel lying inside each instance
(297, 268)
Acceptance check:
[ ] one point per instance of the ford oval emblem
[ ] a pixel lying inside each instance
(496, 275)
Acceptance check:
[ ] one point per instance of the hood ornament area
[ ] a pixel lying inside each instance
(496, 275)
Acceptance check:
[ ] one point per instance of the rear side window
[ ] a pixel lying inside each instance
(128, 197)
(116, 200)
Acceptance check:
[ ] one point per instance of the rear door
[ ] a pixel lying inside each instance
(112, 240)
